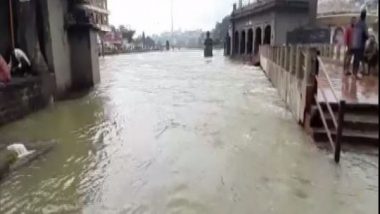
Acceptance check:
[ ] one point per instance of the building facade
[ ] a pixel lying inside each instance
(266, 22)
(338, 21)
(59, 36)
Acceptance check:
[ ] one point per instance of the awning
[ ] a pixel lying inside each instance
(342, 19)
(104, 28)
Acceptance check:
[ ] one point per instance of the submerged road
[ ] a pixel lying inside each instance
(172, 132)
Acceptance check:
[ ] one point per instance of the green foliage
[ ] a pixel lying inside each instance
(149, 42)
(127, 33)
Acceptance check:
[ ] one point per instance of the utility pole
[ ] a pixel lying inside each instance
(11, 24)
(172, 20)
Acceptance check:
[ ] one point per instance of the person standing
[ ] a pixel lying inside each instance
(359, 38)
(167, 45)
(5, 73)
(348, 42)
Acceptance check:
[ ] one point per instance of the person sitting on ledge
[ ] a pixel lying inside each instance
(5, 74)
(20, 63)
(371, 55)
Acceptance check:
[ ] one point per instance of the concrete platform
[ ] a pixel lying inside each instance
(361, 123)
(363, 91)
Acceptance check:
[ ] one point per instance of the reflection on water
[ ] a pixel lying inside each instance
(173, 133)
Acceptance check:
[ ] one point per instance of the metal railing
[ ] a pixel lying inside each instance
(337, 122)
(300, 60)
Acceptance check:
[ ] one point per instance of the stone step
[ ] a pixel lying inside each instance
(356, 121)
(349, 136)
(361, 122)
(354, 108)
(351, 148)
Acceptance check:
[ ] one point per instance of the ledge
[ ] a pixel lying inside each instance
(261, 7)
(17, 83)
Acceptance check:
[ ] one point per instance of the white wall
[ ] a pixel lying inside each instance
(60, 45)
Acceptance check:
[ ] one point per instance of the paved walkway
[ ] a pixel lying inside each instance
(351, 89)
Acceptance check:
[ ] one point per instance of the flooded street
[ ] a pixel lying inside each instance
(172, 132)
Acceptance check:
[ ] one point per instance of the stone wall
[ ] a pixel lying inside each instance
(290, 69)
(84, 58)
(20, 98)
(290, 88)
(286, 22)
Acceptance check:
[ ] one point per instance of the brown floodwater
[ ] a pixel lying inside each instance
(171, 132)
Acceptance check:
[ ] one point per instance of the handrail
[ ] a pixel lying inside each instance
(329, 135)
(303, 62)
(328, 107)
(338, 122)
(323, 68)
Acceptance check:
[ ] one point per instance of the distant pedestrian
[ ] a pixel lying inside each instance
(339, 37)
(359, 38)
(5, 73)
(348, 43)
(167, 45)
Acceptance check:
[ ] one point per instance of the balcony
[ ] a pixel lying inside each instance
(88, 14)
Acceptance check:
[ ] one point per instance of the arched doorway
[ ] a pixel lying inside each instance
(257, 40)
(267, 34)
(250, 41)
(236, 43)
(242, 43)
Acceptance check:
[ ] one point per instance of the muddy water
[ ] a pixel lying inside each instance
(175, 133)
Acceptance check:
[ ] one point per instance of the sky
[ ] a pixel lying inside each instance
(153, 16)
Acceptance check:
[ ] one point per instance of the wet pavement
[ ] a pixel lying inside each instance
(172, 132)
(364, 90)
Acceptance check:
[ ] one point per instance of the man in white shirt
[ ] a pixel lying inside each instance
(20, 63)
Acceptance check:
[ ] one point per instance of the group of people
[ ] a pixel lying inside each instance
(361, 46)
(17, 64)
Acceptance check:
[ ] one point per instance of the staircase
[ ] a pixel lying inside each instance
(360, 125)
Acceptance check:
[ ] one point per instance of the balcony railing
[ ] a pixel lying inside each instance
(88, 13)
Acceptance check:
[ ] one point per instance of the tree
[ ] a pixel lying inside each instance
(220, 31)
(127, 33)
(149, 42)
